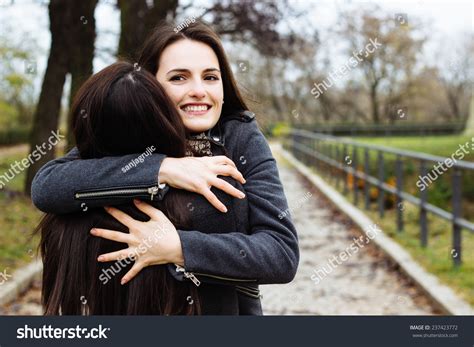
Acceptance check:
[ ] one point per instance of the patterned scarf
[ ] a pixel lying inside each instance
(198, 146)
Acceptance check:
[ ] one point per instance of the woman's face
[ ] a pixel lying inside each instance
(189, 72)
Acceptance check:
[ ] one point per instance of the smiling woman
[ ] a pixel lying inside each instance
(229, 247)
(194, 85)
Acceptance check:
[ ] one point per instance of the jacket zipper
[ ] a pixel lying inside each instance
(225, 278)
(192, 276)
(117, 192)
(188, 275)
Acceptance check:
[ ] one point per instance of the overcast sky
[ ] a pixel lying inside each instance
(28, 20)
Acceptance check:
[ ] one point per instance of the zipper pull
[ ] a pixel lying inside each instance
(193, 278)
(188, 275)
(153, 191)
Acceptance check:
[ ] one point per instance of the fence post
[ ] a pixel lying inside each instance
(338, 173)
(456, 252)
(344, 154)
(328, 156)
(366, 183)
(399, 200)
(354, 175)
(293, 142)
(304, 141)
(423, 219)
(328, 167)
(322, 165)
(316, 151)
(333, 157)
(333, 169)
(313, 150)
(381, 197)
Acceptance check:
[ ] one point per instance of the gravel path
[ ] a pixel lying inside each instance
(29, 304)
(364, 284)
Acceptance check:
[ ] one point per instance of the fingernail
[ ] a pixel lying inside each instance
(242, 195)
(225, 209)
(122, 282)
(100, 258)
(93, 231)
(137, 201)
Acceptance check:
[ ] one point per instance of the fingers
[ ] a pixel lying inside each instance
(222, 159)
(113, 235)
(122, 217)
(228, 188)
(226, 170)
(212, 198)
(149, 210)
(117, 255)
(136, 268)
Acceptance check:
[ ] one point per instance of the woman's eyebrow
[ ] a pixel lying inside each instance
(211, 69)
(177, 70)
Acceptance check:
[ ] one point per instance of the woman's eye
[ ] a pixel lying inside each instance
(211, 78)
(177, 78)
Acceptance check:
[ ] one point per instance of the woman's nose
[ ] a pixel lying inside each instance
(197, 90)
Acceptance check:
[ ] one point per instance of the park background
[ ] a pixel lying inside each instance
(413, 93)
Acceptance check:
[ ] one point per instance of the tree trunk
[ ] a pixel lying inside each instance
(136, 22)
(81, 54)
(470, 120)
(47, 111)
(69, 24)
(374, 104)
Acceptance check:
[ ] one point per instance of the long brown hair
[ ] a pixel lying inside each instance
(164, 35)
(120, 110)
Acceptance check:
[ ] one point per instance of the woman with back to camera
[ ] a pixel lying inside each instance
(120, 103)
(192, 67)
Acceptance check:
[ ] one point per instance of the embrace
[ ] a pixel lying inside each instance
(191, 229)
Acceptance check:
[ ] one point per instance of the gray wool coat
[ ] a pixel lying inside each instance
(229, 253)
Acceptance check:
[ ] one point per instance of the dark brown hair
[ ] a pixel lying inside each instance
(120, 110)
(164, 35)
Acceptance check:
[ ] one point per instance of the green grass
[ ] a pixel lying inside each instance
(443, 146)
(440, 192)
(17, 183)
(18, 217)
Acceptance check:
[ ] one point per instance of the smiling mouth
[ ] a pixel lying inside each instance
(193, 109)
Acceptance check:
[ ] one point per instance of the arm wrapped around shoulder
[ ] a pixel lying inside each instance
(56, 184)
(269, 253)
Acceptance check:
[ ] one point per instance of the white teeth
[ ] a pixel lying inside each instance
(195, 108)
